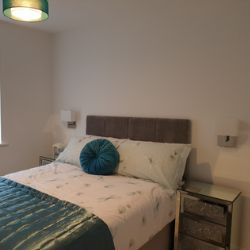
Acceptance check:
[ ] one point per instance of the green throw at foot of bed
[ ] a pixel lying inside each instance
(30, 219)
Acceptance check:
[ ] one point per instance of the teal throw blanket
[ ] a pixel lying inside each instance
(31, 220)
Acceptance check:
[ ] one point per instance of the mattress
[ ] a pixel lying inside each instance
(134, 209)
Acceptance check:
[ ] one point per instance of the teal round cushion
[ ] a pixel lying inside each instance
(99, 157)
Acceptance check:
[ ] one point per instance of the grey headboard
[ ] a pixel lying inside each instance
(143, 129)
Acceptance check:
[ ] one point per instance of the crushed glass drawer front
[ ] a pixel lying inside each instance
(203, 230)
(211, 211)
(189, 243)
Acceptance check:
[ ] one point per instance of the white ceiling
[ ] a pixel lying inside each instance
(63, 15)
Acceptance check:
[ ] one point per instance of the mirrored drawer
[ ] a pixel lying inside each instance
(211, 211)
(189, 243)
(203, 230)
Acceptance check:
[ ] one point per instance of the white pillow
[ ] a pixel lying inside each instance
(71, 153)
(163, 163)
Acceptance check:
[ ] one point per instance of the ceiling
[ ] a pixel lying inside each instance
(63, 15)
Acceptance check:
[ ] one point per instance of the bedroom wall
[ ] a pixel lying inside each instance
(187, 59)
(25, 76)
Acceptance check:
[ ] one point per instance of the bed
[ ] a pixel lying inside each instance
(134, 221)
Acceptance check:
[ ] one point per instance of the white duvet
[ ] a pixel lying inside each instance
(134, 210)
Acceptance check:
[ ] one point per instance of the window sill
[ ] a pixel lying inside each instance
(2, 144)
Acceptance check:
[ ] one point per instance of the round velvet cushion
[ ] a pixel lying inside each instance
(99, 157)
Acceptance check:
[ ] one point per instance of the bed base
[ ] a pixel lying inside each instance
(162, 240)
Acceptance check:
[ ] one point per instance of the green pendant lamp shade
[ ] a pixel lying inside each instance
(26, 10)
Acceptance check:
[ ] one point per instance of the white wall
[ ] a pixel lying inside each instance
(26, 74)
(187, 59)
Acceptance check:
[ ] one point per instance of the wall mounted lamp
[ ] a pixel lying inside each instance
(69, 117)
(26, 10)
(228, 133)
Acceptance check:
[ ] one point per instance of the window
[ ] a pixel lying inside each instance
(1, 140)
(2, 143)
(0, 117)
(1, 82)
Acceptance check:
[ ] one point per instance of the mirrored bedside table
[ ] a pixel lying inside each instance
(45, 160)
(206, 215)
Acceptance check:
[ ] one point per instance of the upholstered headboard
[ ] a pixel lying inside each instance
(143, 129)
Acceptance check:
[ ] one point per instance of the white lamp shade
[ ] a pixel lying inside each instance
(68, 116)
(228, 127)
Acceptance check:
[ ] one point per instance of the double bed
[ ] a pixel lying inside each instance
(139, 213)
